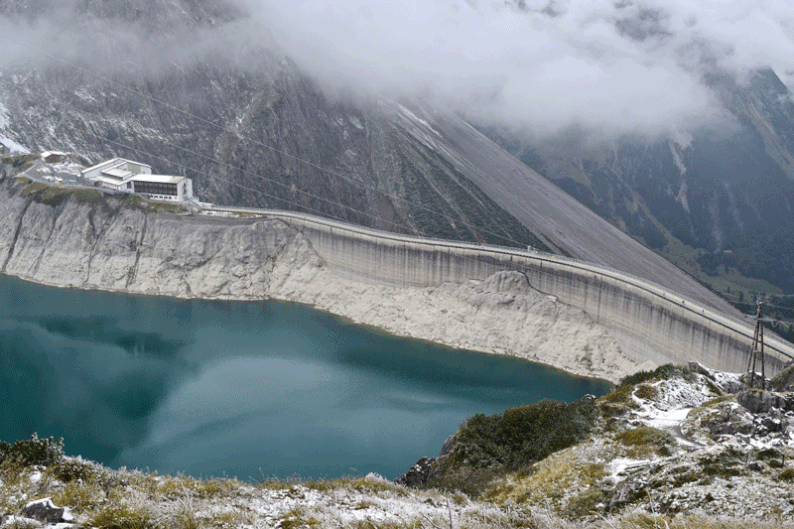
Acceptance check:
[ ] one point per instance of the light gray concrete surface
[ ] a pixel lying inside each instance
(650, 321)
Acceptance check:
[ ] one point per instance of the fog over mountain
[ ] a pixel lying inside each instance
(614, 67)
(611, 66)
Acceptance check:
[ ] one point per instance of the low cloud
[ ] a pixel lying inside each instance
(614, 66)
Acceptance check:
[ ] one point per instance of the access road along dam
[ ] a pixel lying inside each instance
(650, 322)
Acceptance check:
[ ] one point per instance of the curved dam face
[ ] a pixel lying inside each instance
(650, 322)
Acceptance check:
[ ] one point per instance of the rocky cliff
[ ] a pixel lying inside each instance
(80, 238)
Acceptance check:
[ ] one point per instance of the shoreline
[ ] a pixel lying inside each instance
(463, 345)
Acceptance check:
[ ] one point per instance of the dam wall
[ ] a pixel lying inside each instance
(650, 322)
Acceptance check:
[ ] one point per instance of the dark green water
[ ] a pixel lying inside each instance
(247, 389)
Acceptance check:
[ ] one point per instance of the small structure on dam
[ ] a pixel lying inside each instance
(127, 176)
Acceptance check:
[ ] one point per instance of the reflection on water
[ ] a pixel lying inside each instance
(240, 388)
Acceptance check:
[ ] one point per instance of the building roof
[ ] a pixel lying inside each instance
(117, 172)
(158, 178)
(108, 180)
(112, 164)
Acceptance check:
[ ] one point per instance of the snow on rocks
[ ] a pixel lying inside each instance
(45, 510)
(680, 444)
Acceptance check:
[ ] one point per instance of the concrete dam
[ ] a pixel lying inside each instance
(649, 321)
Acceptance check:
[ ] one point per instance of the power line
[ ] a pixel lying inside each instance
(363, 185)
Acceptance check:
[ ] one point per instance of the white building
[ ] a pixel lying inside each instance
(127, 176)
(162, 187)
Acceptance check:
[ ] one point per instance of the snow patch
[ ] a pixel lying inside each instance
(4, 121)
(416, 118)
(14, 146)
(682, 196)
(618, 466)
(677, 158)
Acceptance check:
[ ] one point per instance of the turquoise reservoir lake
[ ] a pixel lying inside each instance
(246, 389)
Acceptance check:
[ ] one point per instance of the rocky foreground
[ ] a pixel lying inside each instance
(676, 447)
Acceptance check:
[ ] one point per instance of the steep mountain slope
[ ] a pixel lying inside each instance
(256, 131)
(717, 199)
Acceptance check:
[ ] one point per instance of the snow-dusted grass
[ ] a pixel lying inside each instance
(666, 461)
(132, 499)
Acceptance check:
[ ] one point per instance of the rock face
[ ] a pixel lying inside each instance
(124, 248)
(765, 401)
(116, 244)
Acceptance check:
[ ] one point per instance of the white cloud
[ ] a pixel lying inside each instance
(614, 65)
(624, 66)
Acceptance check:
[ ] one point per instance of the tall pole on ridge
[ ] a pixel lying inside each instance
(757, 349)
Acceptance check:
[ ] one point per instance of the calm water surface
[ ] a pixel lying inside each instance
(247, 389)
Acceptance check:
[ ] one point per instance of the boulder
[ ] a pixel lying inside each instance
(446, 449)
(46, 511)
(764, 401)
(418, 474)
(756, 401)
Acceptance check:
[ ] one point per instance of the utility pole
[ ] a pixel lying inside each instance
(757, 349)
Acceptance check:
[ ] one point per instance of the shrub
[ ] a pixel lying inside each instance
(81, 497)
(664, 372)
(522, 435)
(68, 470)
(584, 503)
(618, 401)
(784, 381)
(33, 451)
(787, 475)
(644, 391)
(648, 437)
(122, 517)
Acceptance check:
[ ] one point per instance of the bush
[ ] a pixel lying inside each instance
(70, 470)
(664, 372)
(784, 381)
(33, 451)
(520, 436)
(648, 437)
(585, 503)
(647, 392)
